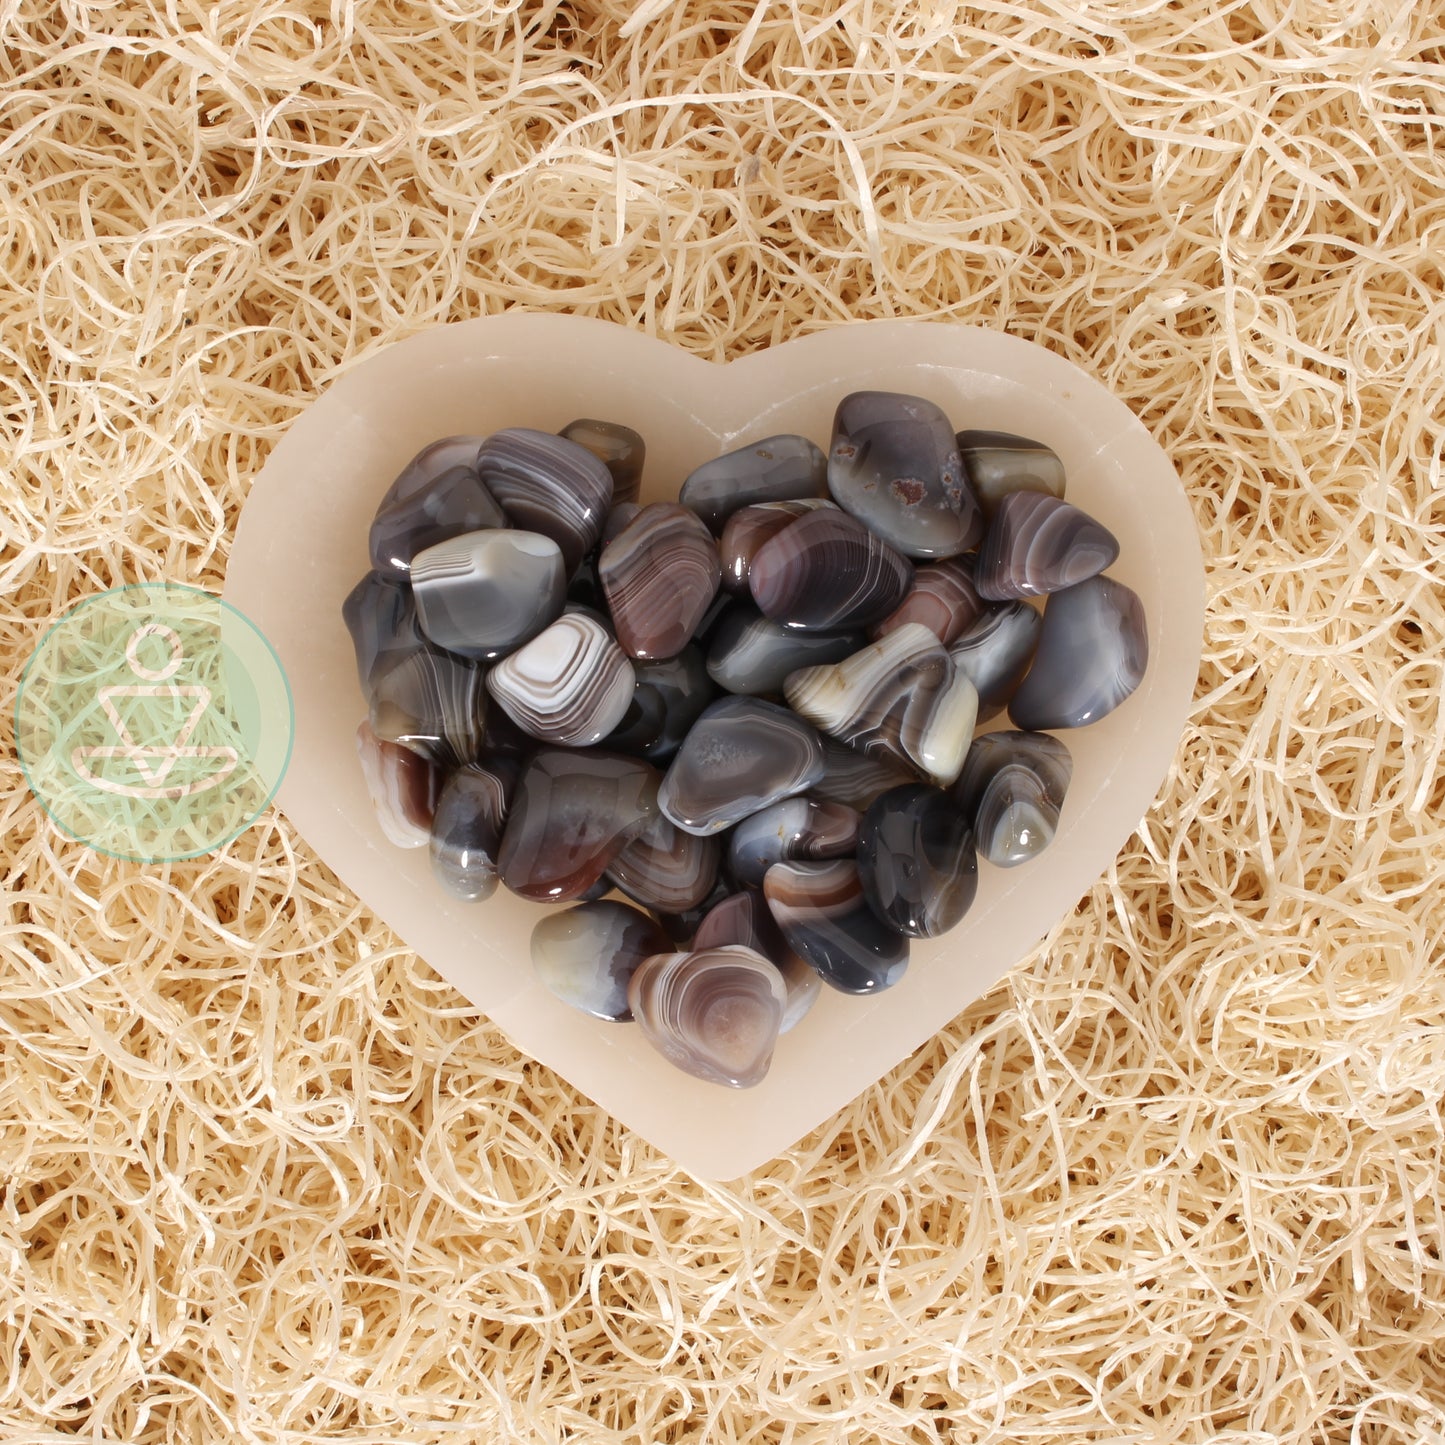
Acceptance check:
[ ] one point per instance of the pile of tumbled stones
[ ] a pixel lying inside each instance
(751, 711)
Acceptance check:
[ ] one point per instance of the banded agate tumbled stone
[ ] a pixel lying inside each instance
(894, 465)
(744, 918)
(403, 786)
(434, 702)
(1012, 787)
(587, 955)
(1037, 544)
(748, 528)
(380, 616)
(997, 463)
(620, 449)
(916, 860)
(752, 655)
(466, 829)
(777, 469)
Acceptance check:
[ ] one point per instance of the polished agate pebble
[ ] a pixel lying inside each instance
(659, 575)
(466, 828)
(620, 449)
(550, 485)
(1037, 544)
(825, 917)
(900, 697)
(439, 494)
(894, 465)
(482, 594)
(571, 684)
(741, 755)
(826, 570)
(1012, 787)
(800, 827)
(586, 955)
(1093, 649)
(571, 815)
(572, 693)
(916, 860)
(998, 463)
(745, 918)
(777, 469)
(715, 1013)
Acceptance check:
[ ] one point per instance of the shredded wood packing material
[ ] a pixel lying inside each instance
(1178, 1178)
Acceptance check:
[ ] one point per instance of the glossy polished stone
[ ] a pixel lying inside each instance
(825, 570)
(1012, 787)
(1037, 544)
(682, 927)
(586, 955)
(618, 519)
(826, 920)
(744, 918)
(439, 494)
(916, 860)
(801, 827)
(434, 702)
(482, 594)
(995, 653)
(403, 786)
(997, 463)
(1093, 650)
(572, 814)
(571, 684)
(752, 656)
(856, 779)
(668, 698)
(466, 830)
(667, 869)
(659, 575)
(778, 469)
(620, 449)
(894, 465)
(550, 485)
(713, 1014)
(741, 755)
(942, 599)
(748, 528)
(899, 698)
(381, 618)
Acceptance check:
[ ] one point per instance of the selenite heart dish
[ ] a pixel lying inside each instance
(302, 543)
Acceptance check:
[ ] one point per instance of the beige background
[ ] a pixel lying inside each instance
(263, 1177)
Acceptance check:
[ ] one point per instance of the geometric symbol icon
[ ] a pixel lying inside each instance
(154, 722)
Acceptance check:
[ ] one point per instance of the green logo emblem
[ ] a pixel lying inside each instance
(154, 722)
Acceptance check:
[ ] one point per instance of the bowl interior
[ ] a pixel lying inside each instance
(301, 545)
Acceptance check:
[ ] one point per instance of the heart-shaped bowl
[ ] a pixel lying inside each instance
(302, 544)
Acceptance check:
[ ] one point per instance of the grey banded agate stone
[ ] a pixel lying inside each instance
(586, 955)
(571, 684)
(1013, 786)
(894, 465)
(659, 575)
(825, 570)
(994, 654)
(752, 656)
(748, 528)
(916, 860)
(1038, 544)
(744, 918)
(1093, 650)
(854, 778)
(466, 829)
(942, 599)
(380, 616)
(794, 828)
(439, 494)
(826, 920)
(403, 786)
(715, 1014)
(483, 594)
(997, 463)
(433, 702)
(571, 815)
(899, 698)
(741, 755)
(550, 485)
(779, 469)
(667, 869)
(667, 700)
(620, 449)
